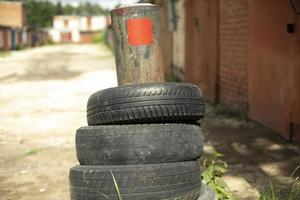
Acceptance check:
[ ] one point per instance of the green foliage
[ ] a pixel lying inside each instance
(99, 38)
(88, 8)
(51, 42)
(270, 193)
(214, 168)
(40, 13)
(4, 54)
(19, 47)
(276, 192)
(33, 151)
(171, 78)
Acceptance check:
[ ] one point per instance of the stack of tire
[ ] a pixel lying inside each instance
(142, 143)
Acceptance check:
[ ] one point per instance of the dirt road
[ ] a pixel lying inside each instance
(43, 99)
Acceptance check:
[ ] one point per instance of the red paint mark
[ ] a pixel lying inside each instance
(140, 31)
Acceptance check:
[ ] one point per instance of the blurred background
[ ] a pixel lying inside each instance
(244, 55)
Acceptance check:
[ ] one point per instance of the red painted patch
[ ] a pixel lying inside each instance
(140, 31)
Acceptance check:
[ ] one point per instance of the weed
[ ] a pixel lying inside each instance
(116, 187)
(270, 193)
(214, 168)
(99, 38)
(295, 191)
(51, 42)
(276, 192)
(171, 78)
(19, 47)
(33, 151)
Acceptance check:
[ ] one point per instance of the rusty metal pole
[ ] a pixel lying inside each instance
(137, 51)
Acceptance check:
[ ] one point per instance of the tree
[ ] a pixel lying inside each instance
(40, 13)
(69, 10)
(59, 10)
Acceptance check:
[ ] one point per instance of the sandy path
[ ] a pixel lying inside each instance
(43, 99)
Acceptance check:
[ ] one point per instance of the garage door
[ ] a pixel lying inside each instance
(273, 71)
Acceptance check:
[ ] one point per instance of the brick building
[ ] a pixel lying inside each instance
(244, 54)
(13, 30)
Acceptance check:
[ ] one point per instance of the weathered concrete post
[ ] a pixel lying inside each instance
(137, 52)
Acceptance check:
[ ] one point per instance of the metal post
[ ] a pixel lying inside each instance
(137, 51)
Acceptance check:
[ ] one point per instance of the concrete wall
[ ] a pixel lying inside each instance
(76, 36)
(66, 23)
(233, 53)
(98, 23)
(54, 35)
(76, 25)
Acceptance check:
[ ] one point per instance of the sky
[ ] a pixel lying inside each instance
(104, 3)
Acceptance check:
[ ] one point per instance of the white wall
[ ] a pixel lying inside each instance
(58, 24)
(74, 24)
(75, 36)
(55, 35)
(98, 23)
(83, 24)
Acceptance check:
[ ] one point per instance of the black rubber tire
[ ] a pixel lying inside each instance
(136, 182)
(206, 193)
(138, 144)
(146, 103)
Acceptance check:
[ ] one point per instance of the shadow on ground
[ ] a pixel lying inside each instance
(254, 153)
(43, 68)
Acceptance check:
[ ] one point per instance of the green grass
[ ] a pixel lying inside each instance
(214, 168)
(33, 151)
(99, 38)
(116, 187)
(4, 54)
(51, 42)
(276, 192)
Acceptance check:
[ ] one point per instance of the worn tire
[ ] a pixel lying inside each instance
(146, 103)
(206, 193)
(136, 182)
(138, 144)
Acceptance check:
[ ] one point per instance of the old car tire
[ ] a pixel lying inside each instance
(136, 182)
(146, 103)
(138, 144)
(206, 193)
